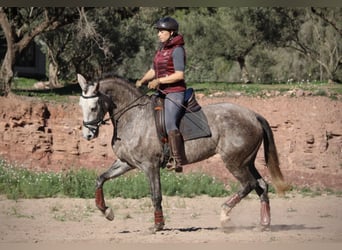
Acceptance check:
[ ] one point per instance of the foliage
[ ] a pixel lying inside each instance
(223, 44)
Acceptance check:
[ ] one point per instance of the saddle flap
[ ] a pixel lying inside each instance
(193, 124)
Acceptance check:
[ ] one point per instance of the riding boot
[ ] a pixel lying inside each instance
(176, 144)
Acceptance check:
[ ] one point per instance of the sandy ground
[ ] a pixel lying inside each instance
(295, 219)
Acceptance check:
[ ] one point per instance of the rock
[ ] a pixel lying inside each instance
(310, 139)
(307, 132)
(299, 93)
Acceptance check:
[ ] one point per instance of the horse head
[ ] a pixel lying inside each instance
(94, 108)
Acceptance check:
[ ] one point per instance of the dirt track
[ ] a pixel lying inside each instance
(295, 219)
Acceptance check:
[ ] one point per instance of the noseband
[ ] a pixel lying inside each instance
(94, 125)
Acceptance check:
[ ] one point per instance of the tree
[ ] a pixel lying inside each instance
(20, 26)
(101, 43)
(315, 34)
(231, 33)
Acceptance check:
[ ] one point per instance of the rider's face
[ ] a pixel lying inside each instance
(164, 35)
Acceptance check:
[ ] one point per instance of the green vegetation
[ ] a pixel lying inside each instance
(23, 83)
(256, 89)
(24, 87)
(16, 182)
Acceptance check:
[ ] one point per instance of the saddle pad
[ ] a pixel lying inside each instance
(194, 125)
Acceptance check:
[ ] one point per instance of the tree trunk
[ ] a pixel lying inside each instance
(53, 70)
(243, 68)
(53, 78)
(6, 72)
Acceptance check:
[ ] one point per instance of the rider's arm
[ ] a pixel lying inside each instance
(150, 74)
(175, 77)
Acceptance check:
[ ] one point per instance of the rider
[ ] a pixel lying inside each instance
(167, 76)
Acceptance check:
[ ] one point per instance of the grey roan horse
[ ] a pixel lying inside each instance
(237, 134)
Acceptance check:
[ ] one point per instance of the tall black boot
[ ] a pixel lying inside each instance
(176, 144)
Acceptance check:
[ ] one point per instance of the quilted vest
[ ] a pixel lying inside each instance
(163, 65)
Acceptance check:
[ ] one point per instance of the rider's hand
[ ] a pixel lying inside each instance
(153, 84)
(138, 83)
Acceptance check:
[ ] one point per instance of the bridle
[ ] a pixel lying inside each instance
(95, 124)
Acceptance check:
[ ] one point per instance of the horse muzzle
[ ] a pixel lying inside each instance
(90, 132)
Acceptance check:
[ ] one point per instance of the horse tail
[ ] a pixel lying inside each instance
(271, 157)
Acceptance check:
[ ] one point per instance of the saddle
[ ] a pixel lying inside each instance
(193, 124)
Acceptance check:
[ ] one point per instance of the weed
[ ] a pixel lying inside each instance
(291, 210)
(14, 212)
(77, 214)
(17, 182)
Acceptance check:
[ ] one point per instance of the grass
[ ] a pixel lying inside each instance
(24, 86)
(256, 89)
(16, 182)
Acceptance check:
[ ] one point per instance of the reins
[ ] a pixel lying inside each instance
(128, 107)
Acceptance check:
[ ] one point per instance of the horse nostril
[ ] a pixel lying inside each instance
(88, 137)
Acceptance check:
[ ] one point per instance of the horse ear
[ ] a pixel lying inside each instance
(97, 86)
(82, 82)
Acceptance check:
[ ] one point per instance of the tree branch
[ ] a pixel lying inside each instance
(321, 15)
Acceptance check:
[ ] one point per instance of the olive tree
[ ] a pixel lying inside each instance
(20, 26)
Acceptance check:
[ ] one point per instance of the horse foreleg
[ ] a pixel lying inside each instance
(118, 168)
(156, 195)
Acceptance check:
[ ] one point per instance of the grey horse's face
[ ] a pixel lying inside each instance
(91, 108)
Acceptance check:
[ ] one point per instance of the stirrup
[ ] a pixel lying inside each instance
(172, 166)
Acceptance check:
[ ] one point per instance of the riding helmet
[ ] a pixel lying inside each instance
(167, 23)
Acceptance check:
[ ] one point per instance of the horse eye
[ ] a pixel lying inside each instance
(93, 109)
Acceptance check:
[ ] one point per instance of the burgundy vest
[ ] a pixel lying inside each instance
(163, 65)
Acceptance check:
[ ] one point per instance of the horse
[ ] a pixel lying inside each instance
(236, 135)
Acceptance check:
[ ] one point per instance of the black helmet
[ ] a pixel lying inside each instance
(167, 23)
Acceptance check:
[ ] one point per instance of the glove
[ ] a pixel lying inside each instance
(153, 84)
(138, 83)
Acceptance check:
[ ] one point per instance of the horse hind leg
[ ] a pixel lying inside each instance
(234, 200)
(250, 179)
(261, 188)
(247, 180)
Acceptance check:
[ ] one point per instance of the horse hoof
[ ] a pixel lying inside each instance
(265, 228)
(156, 228)
(159, 227)
(224, 218)
(109, 214)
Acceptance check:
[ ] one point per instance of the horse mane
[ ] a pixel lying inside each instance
(113, 84)
(122, 92)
